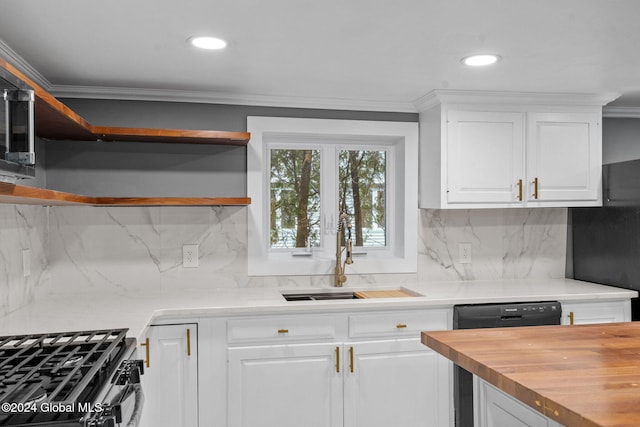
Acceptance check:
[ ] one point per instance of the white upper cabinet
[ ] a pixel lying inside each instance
(510, 150)
(484, 156)
(564, 157)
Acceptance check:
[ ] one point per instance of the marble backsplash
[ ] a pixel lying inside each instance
(127, 250)
(22, 227)
(505, 244)
(132, 249)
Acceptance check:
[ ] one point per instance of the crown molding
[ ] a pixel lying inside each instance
(95, 92)
(23, 66)
(437, 97)
(621, 112)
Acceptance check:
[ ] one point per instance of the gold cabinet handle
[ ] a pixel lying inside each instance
(401, 326)
(337, 359)
(535, 188)
(520, 189)
(283, 331)
(571, 318)
(146, 347)
(188, 342)
(350, 359)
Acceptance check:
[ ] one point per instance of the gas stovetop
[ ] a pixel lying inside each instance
(56, 377)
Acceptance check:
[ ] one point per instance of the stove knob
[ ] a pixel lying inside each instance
(128, 373)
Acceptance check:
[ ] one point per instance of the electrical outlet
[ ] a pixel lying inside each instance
(190, 256)
(26, 262)
(464, 253)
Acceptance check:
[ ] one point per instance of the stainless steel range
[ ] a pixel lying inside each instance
(70, 379)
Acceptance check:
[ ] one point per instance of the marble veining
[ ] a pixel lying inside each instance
(22, 228)
(104, 249)
(130, 250)
(534, 241)
(506, 243)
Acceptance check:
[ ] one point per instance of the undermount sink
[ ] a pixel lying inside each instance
(346, 295)
(319, 296)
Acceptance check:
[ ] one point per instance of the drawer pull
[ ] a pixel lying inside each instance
(571, 318)
(283, 331)
(147, 351)
(401, 326)
(337, 359)
(188, 342)
(350, 359)
(520, 189)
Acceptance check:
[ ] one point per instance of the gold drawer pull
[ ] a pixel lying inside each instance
(350, 359)
(188, 342)
(337, 359)
(283, 331)
(535, 188)
(147, 351)
(520, 189)
(571, 317)
(401, 326)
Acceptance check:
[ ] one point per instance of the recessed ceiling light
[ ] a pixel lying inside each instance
(480, 60)
(211, 43)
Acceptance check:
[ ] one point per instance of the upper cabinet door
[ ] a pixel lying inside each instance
(484, 154)
(564, 157)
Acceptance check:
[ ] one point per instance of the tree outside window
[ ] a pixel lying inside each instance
(295, 196)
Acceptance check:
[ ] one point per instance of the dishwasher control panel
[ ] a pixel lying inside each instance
(529, 308)
(500, 315)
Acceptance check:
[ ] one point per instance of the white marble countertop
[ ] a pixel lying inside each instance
(71, 312)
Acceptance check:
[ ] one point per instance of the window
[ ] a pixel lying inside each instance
(294, 198)
(302, 173)
(361, 189)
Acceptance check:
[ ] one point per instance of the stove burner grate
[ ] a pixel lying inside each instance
(57, 367)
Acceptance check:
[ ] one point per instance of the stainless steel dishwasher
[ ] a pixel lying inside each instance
(500, 315)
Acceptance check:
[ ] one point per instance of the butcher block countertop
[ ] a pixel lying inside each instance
(581, 375)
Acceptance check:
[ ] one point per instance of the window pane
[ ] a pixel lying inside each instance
(295, 198)
(363, 194)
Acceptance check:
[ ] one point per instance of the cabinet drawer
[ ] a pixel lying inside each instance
(281, 328)
(596, 312)
(398, 322)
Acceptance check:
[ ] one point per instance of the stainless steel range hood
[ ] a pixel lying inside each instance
(17, 152)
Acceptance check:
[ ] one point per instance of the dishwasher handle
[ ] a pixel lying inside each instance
(511, 318)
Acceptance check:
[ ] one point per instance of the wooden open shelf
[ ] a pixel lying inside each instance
(54, 120)
(171, 201)
(105, 133)
(19, 194)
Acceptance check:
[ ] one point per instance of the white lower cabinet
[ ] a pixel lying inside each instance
(334, 369)
(170, 379)
(374, 372)
(285, 386)
(395, 383)
(581, 313)
(498, 409)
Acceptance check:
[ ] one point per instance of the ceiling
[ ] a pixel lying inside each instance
(344, 54)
